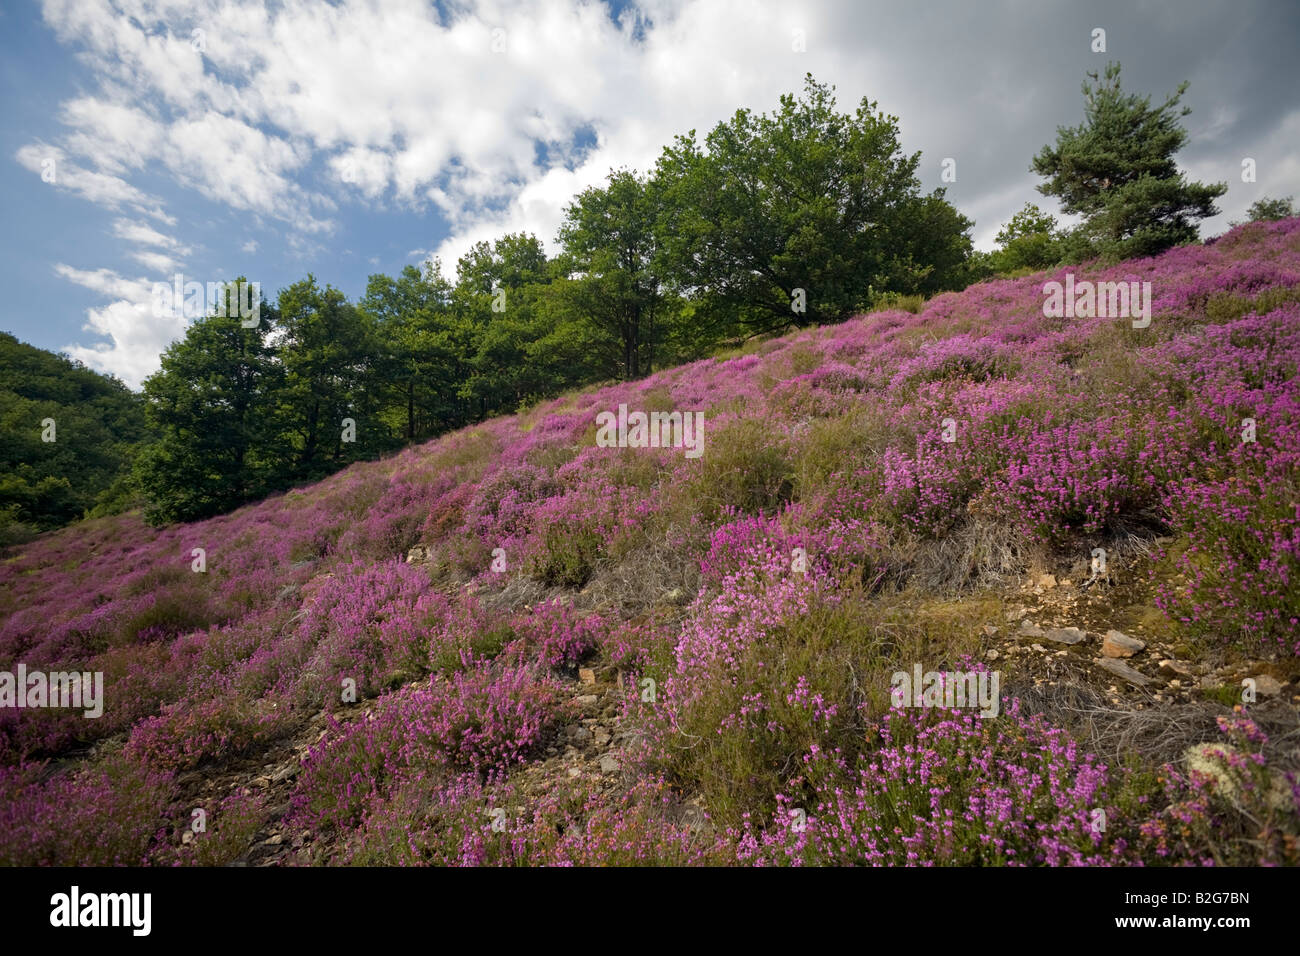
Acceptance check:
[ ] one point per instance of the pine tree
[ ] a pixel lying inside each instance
(1117, 170)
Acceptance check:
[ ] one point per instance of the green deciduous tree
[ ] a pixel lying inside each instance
(327, 349)
(416, 368)
(1030, 240)
(1269, 210)
(807, 206)
(611, 257)
(496, 300)
(211, 407)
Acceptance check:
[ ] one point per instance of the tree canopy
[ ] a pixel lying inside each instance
(1117, 170)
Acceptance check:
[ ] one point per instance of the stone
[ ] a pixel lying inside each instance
(586, 700)
(1266, 685)
(991, 654)
(1016, 614)
(417, 554)
(1119, 644)
(602, 737)
(608, 764)
(586, 675)
(1047, 581)
(1065, 635)
(1029, 630)
(1173, 668)
(1120, 669)
(580, 736)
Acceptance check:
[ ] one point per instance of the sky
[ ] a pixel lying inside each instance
(218, 138)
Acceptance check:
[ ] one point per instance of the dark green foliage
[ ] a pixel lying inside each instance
(1117, 170)
(98, 425)
(804, 199)
(1269, 210)
(212, 407)
(610, 243)
(1031, 240)
(568, 559)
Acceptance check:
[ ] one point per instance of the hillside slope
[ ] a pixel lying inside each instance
(69, 434)
(569, 653)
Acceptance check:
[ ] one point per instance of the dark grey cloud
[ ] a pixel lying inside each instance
(988, 83)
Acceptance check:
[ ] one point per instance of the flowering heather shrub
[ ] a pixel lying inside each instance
(502, 506)
(104, 814)
(343, 769)
(430, 821)
(369, 619)
(1232, 810)
(427, 819)
(480, 720)
(636, 646)
(738, 701)
(959, 357)
(836, 548)
(1073, 478)
(184, 735)
(555, 636)
(1243, 523)
(483, 721)
(943, 787)
(394, 523)
(231, 828)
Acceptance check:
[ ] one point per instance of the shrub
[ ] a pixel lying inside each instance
(103, 814)
(230, 831)
(568, 557)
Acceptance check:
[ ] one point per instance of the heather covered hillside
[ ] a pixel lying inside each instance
(517, 645)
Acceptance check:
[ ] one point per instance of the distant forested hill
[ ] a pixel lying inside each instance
(69, 434)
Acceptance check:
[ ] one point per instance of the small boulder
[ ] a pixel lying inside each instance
(1119, 644)
(1065, 635)
(1120, 669)
(1266, 685)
